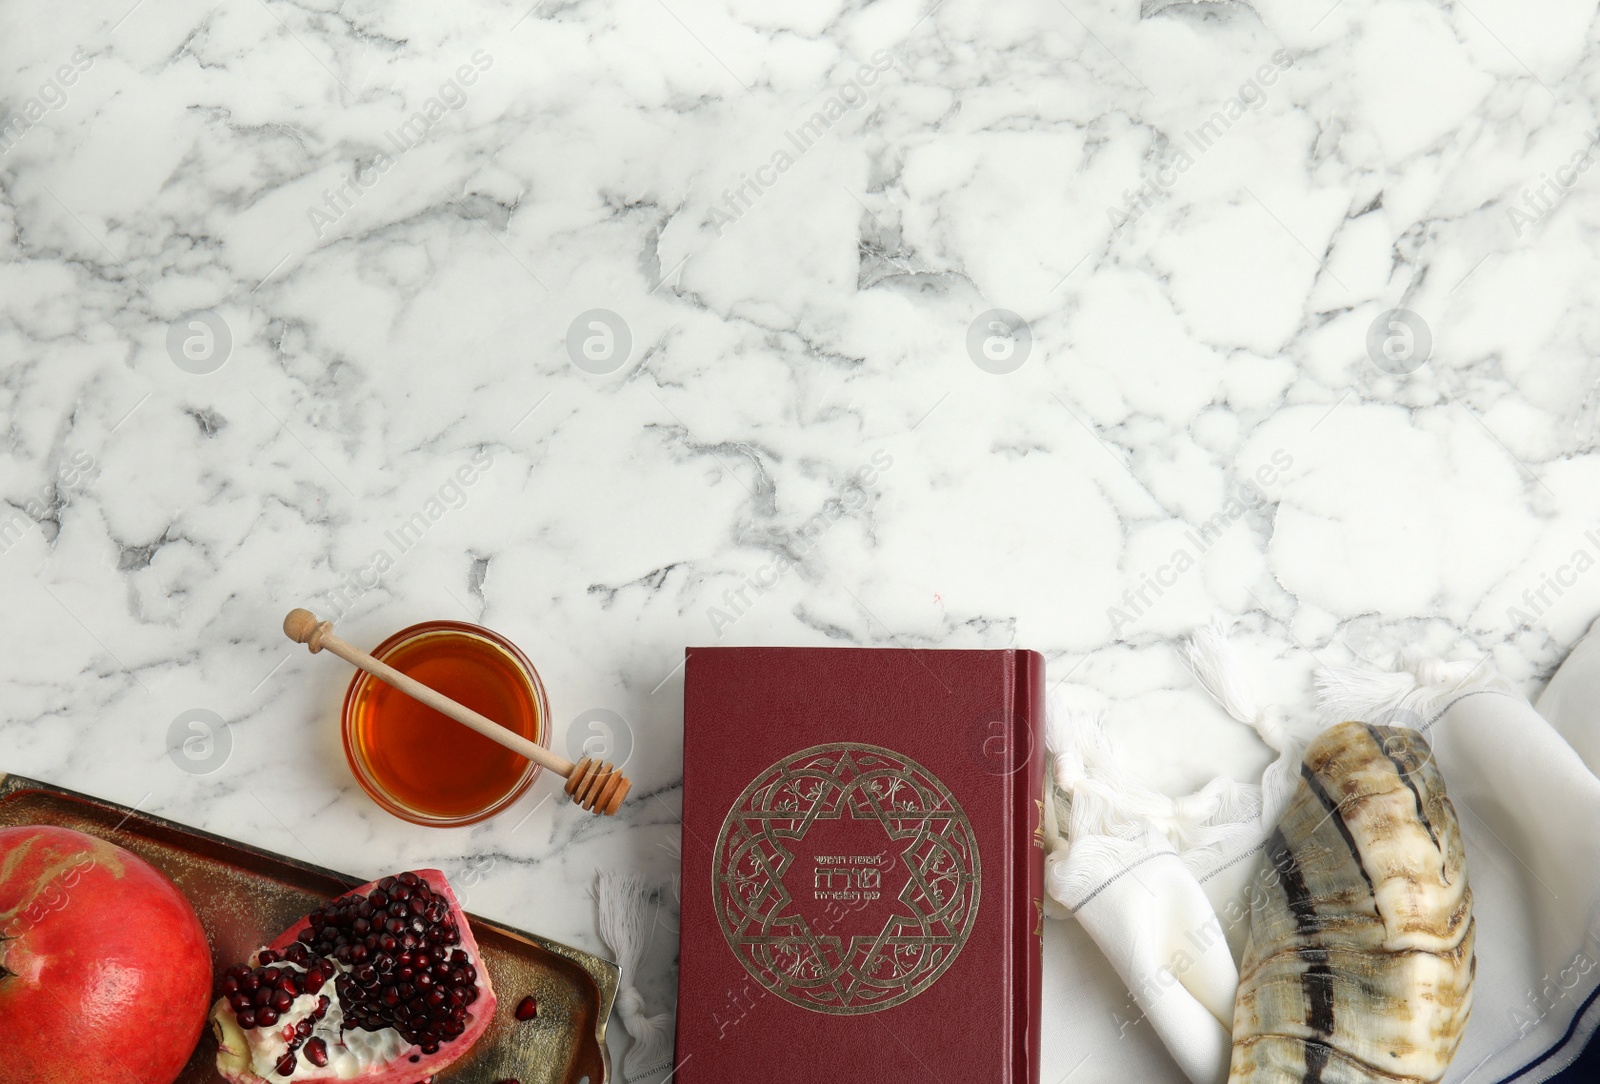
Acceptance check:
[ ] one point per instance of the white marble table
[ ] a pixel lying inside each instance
(688, 290)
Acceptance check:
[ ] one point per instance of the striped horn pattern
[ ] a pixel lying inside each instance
(1359, 965)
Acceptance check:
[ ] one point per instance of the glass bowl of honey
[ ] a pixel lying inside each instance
(423, 766)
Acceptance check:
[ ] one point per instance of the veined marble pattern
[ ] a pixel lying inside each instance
(789, 413)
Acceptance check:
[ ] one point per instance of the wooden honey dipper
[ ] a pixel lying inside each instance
(597, 787)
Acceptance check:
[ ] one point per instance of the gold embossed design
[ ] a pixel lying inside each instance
(788, 948)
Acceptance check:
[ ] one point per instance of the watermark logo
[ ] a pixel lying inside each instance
(599, 342)
(199, 342)
(999, 341)
(53, 896)
(738, 601)
(601, 735)
(1153, 188)
(1541, 599)
(999, 744)
(471, 874)
(1406, 748)
(1542, 199)
(407, 535)
(451, 95)
(52, 95)
(1399, 341)
(199, 742)
(15, 523)
(1251, 493)
(1567, 984)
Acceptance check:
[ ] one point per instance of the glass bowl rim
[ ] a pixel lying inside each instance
(369, 783)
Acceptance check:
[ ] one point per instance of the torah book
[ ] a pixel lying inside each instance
(863, 866)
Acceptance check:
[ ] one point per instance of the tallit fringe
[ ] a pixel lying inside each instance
(1115, 822)
(625, 915)
(1413, 696)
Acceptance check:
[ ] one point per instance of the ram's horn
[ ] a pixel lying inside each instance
(1359, 965)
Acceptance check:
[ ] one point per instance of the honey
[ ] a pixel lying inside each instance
(424, 766)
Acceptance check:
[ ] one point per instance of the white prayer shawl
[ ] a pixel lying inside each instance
(1163, 886)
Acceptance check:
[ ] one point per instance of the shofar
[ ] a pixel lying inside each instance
(1359, 965)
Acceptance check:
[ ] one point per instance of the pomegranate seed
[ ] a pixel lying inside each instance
(247, 1019)
(527, 1009)
(402, 967)
(266, 1017)
(317, 1052)
(286, 1064)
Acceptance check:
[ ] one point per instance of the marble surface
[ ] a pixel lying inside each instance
(1063, 324)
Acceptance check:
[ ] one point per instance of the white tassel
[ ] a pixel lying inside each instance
(1108, 808)
(1220, 671)
(624, 900)
(1413, 696)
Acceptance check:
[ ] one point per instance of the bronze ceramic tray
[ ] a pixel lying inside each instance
(246, 897)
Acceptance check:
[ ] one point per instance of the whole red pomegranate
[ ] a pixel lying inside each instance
(105, 974)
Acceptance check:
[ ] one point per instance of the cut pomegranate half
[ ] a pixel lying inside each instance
(384, 985)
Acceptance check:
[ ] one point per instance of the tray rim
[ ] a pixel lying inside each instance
(606, 974)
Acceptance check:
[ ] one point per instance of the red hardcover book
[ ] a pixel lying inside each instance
(862, 866)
